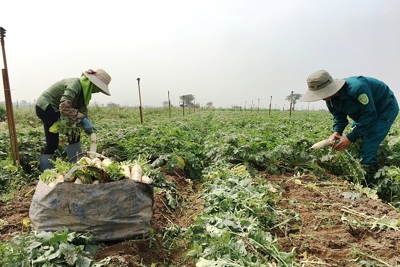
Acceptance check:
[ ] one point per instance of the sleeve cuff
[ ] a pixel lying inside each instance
(352, 137)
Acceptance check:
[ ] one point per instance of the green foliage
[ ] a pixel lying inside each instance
(12, 179)
(45, 249)
(172, 233)
(234, 228)
(30, 146)
(275, 143)
(67, 128)
(387, 184)
(3, 113)
(5, 147)
(26, 118)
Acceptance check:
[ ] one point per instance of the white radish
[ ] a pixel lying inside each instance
(96, 182)
(93, 145)
(136, 173)
(60, 179)
(323, 143)
(97, 162)
(78, 181)
(85, 161)
(125, 171)
(146, 179)
(106, 162)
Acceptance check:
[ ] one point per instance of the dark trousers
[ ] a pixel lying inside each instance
(49, 117)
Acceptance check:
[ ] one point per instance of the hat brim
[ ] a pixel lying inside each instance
(327, 91)
(102, 86)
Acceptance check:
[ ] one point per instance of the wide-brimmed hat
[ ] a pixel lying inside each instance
(100, 78)
(321, 85)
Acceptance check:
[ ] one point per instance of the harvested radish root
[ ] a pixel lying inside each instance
(93, 145)
(146, 179)
(85, 175)
(323, 143)
(136, 173)
(97, 162)
(126, 171)
(106, 162)
(60, 179)
(85, 161)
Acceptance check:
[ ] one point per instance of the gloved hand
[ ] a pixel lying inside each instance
(87, 126)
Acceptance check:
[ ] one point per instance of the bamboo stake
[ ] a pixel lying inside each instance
(140, 102)
(9, 105)
(291, 104)
(169, 106)
(270, 101)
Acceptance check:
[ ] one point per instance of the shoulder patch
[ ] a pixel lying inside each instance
(363, 98)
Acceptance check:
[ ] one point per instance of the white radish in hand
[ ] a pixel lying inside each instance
(323, 143)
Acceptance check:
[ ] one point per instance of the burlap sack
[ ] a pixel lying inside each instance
(109, 211)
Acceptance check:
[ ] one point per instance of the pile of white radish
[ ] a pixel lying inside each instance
(128, 170)
(135, 173)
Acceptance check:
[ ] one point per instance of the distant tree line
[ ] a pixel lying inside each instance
(188, 101)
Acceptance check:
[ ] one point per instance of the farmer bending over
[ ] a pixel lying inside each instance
(69, 97)
(367, 101)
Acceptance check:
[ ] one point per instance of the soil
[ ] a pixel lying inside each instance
(335, 226)
(339, 226)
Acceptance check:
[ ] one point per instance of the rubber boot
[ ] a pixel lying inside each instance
(73, 151)
(44, 162)
(370, 171)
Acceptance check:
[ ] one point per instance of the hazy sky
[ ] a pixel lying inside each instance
(229, 52)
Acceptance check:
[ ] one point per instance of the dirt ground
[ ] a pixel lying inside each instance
(338, 226)
(334, 227)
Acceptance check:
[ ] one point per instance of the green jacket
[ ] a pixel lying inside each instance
(65, 96)
(364, 100)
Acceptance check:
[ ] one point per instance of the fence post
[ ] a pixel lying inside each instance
(9, 104)
(140, 102)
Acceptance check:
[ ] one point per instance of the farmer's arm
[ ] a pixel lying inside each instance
(72, 91)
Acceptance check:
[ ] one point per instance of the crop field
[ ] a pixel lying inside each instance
(231, 188)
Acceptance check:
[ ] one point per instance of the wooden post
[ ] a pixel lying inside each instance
(140, 102)
(189, 108)
(169, 106)
(291, 104)
(183, 105)
(270, 101)
(9, 104)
